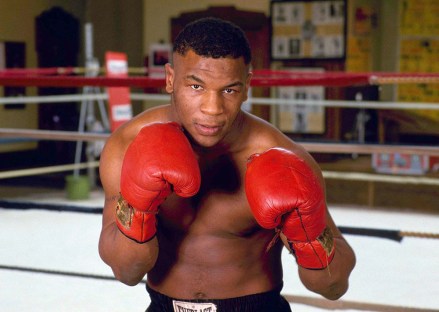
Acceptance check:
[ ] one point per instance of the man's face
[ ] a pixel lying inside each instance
(207, 94)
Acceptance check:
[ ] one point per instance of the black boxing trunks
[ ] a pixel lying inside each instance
(264, 302)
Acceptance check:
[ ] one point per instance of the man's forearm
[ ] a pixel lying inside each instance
(332, 282)
(130, 261)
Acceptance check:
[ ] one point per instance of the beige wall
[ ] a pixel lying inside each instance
(17, 23)
(117, 26)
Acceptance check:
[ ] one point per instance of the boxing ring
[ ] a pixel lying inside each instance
(50, 260)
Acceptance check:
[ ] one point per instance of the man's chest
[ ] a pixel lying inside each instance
(214, 212)
(220, 204)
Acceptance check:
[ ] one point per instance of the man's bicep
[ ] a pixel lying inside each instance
(110, 164)
(109, 170)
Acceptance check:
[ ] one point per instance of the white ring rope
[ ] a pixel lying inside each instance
(349, 148)
(53, 98)
(371, 177)
(348, 104)
(146, 97)
(252, 100)
(355, 176)
(52, 135)
(338, 148)
(50, 169)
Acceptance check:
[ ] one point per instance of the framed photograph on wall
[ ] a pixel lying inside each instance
(308, 29)
(298, 116)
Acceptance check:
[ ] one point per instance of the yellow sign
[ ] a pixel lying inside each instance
(419, 51)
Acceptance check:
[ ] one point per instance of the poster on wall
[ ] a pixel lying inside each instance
(299, 116)
(308, 29)
(418, 52)
(419, 17)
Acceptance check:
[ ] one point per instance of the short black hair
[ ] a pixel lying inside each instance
(215, 38)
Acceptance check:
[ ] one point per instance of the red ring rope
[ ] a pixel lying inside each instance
(74, 81)
(57, 77)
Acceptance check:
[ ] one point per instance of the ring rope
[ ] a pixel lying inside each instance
(395, 235)
(58, 272)
(52, 135)
(419, 234)
(352, 176)
(262, 76)
(403, 80)
(75, 81)
(349, 104)
(65, 71)
(349, 148)
(370, 177)
(53, 98)
(77, 98)
(339, 148)
(50, 169)
(253, 100)
(328, 79)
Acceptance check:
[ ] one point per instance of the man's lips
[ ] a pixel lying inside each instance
(208, 130)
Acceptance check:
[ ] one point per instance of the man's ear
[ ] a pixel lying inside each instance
(169, 77)
(247, 84)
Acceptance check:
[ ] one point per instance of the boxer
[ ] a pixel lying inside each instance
(198, 191)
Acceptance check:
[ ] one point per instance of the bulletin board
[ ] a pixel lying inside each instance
(419, 17)
(419, 51)
(308, 30)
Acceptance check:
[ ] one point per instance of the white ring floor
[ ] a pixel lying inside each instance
(404, 274)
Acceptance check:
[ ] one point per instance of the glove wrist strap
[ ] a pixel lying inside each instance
(134, 224)
(316, 254)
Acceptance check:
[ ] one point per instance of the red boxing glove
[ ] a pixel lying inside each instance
(158, 161)
(283, 192)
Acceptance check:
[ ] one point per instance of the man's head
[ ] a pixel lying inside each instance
(213, 38)
(209, 80)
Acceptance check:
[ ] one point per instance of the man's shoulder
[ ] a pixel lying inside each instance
(263, 135)
(130, 129)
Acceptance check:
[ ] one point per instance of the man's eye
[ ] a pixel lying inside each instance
(196, 87)
(229, 91)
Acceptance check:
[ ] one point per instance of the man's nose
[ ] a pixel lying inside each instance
(212, 104)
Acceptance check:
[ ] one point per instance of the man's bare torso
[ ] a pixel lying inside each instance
(210, 245)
